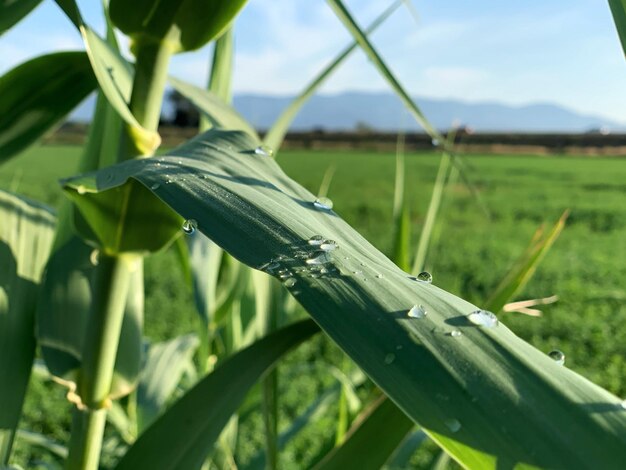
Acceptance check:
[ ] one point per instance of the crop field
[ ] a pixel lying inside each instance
(470, 253)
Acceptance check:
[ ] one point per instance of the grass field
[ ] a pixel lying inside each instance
(586, 268)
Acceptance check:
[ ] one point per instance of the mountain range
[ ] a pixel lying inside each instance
(385, 112)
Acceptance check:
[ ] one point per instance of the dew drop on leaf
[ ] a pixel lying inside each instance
(389, 358)
(417, 311)
(318, 257)
(323, 203)
(264, 151)
(455, 333)
(425, 276)
(155, 186)
(316, 240)
(289, 282)
(483, 318)
(329, 245)
(190, 226)
(453, 425)
(557, 356)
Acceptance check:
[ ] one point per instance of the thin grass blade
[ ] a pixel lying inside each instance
(525, 266)
(275, 136)
(348, 21)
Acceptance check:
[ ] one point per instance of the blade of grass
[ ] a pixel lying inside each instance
(524, 267)
(366, 434)
(486, 396)
(275, 136)
(184, 434)
(401, 457)
(362, 39)
(26, 234)
(401, 215)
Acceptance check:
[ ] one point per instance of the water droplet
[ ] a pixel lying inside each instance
(301, 254)
(315, 275)
(81, 189)
(389, 358)
(190, 226)
(270, 267)
(94, 257)
(155, 186)
(329, 245)
(453, 425)
(318, 257)
(316, 240)
(289, 282)
(417, 311)
(435, 142)
(455, 333)
(264, 151)
(483, 318)
(425, 276)
(379, 276)
(285, 275)
(323, 203)
(557, 356)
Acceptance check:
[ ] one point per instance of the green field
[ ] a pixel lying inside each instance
(586, 267)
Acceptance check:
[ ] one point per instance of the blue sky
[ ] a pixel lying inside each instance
(564, 52)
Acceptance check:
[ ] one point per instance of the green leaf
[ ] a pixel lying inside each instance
(275, 136)
(26, 232)
(401, 216)
(165, 364)
(186, 24)
(379, 428)
(489, 398)
(618, 9)
(12, 11)
(402, 455)
(525, 266)
(221, 77)
(360, 37)
(39, 93)
(184, 434)
(217, 112)
(39, 440)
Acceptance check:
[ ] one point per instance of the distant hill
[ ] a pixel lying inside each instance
(385, 112)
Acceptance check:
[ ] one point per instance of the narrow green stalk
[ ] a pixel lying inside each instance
(431, 215)
(146, 99)
(110, 290)
(110, 286)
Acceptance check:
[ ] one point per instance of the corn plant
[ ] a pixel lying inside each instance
(486, 397)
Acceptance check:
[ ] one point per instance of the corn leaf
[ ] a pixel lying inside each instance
(486, 396)
(525, 266)
(12, 11)
(402, 455)
(37, 94)
(276, 134)
(184, 434)
(366, 433)
(618, 9)
(26, 232)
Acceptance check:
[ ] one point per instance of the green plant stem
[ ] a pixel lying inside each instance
(110, 290)
(431, 215)
(148, 86)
